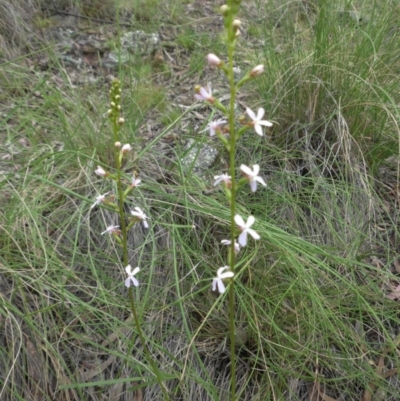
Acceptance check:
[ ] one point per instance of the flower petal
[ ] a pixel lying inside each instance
(253, 185)
(221, 286)
(243, 238)
(254, 234)
(265, 123)
(258, 130)
(260, 114)
(128, 282)
(135, 282)
(247, 170)
(251, 114)
(128, 269)
(239, 221)
(214, 284)
(250, 221)
(227, 275)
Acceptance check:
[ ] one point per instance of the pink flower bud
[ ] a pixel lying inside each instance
(126, 148)
(256, 71)
(100, 171)
(213, 60)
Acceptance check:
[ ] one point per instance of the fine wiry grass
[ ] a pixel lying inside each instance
(312, 318)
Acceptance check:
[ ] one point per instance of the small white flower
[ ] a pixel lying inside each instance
(218, 281)
(256, 120)
(213, 60)
(131, 276)
(99, 199)
(135, 182)
(245, 227)
(228, 242)
(214, 126)
(126, 148)
(100, 171)
(252, 176)
(204, 94)
(222, 178)
(256, 71)
(111, 230)
(141, 216)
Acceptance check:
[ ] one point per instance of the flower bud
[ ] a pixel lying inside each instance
(121, 121)
(118, 144)
(213, 60)
(224, 10)
(100, 172)
(109, 112)
(256, 71)
(197, 88)
(236, 24)
(126, 148)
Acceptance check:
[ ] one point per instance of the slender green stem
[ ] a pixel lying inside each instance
(124, 235)
(232, 146)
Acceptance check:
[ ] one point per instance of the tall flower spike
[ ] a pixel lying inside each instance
(218, 281)
(245, 228)
(139, 214)
(257, 121)
(252, 176)
(131, 276)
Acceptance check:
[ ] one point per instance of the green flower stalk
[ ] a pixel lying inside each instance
(226, 274)
(120, 232)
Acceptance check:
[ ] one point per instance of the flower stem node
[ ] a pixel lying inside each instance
(218, 281)
(131, 279)
(245, 228)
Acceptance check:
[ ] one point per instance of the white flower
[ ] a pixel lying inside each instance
(141, 216)
(126, 148)
(245, 227)
(213, 60)
(256, 71)
(256, 120)
(111, 230)
(222, 178)
(100, 171)
(131, 276)
(99, 199)
(228, 242)
(204, 94)
(252, 176)
(217, 281)
(214, 126)
(135, 182)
